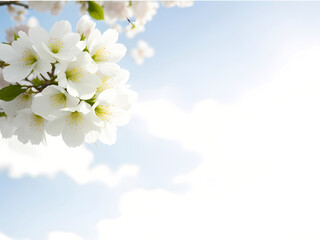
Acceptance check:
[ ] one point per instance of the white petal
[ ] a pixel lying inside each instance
(43, 66)
(6, 53)
(60, 29)
(38, 35)
(56, 126)
(16, 72)
(108, 96)
(73, 136)
(117, 51)
(110, 36)
(120, 117)
(70, 40)
(108, 134)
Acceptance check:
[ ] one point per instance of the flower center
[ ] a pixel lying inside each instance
(24, 100)
(100, 54)
(55, 45)
(36, 122)
(103, 112)
(27, 57)
(74, 118)
(106, 83)
(58, 100)
(74, 74)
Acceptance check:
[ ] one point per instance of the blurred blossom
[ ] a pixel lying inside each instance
(142, 51)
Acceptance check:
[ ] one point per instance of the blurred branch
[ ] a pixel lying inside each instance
(8, 3)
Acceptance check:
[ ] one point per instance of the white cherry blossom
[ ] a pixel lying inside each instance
(58, 45)
(30, 127)
(23, 101)
(144, 10)
(75, 124)
(133, 31)
(85, 26)
(54, 7)
(112, 76)
(79, 77)
(22, 58)
(114, 11)
(50, 102)
(104, 48)
(142, 51)
(111, 115)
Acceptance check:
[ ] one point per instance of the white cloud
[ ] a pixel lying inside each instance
(28, 160)
(259, 178)
(4, 237)
(63, 236)
(52, 236)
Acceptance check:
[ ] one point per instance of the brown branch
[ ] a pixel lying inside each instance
(8, 3)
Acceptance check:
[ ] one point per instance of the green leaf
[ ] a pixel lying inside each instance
(95, 10)
(3, 114)
(11, 92)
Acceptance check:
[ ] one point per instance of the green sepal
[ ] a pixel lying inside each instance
(92, 100)
(16, 36)
(37, 82)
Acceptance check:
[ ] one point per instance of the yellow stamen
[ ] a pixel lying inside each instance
(106, 83)
(101, 55)
(74, 74)
(28, 58)
(103, 112)
(75, 119)
(36, 122)
(58, 100)
(55, 45)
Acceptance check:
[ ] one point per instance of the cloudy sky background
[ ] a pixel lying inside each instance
(223, 143)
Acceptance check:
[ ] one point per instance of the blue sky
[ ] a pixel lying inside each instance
(213, 50)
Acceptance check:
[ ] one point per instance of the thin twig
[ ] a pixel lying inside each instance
(7, 3)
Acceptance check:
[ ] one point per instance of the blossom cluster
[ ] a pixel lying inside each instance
(64, 83)
(113, 11)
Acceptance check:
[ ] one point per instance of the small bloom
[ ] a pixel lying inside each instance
(60, 44)
(79, 77)
(144, 10)
(116, 11)
(23, 59)
(57, 7)
(112, 78)
(50, 102)
(23, 101)
(74, 124)
(85, 26)
(111, 116)
(30, 127)
(133, 31)
(142, 51)
(103, 48)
